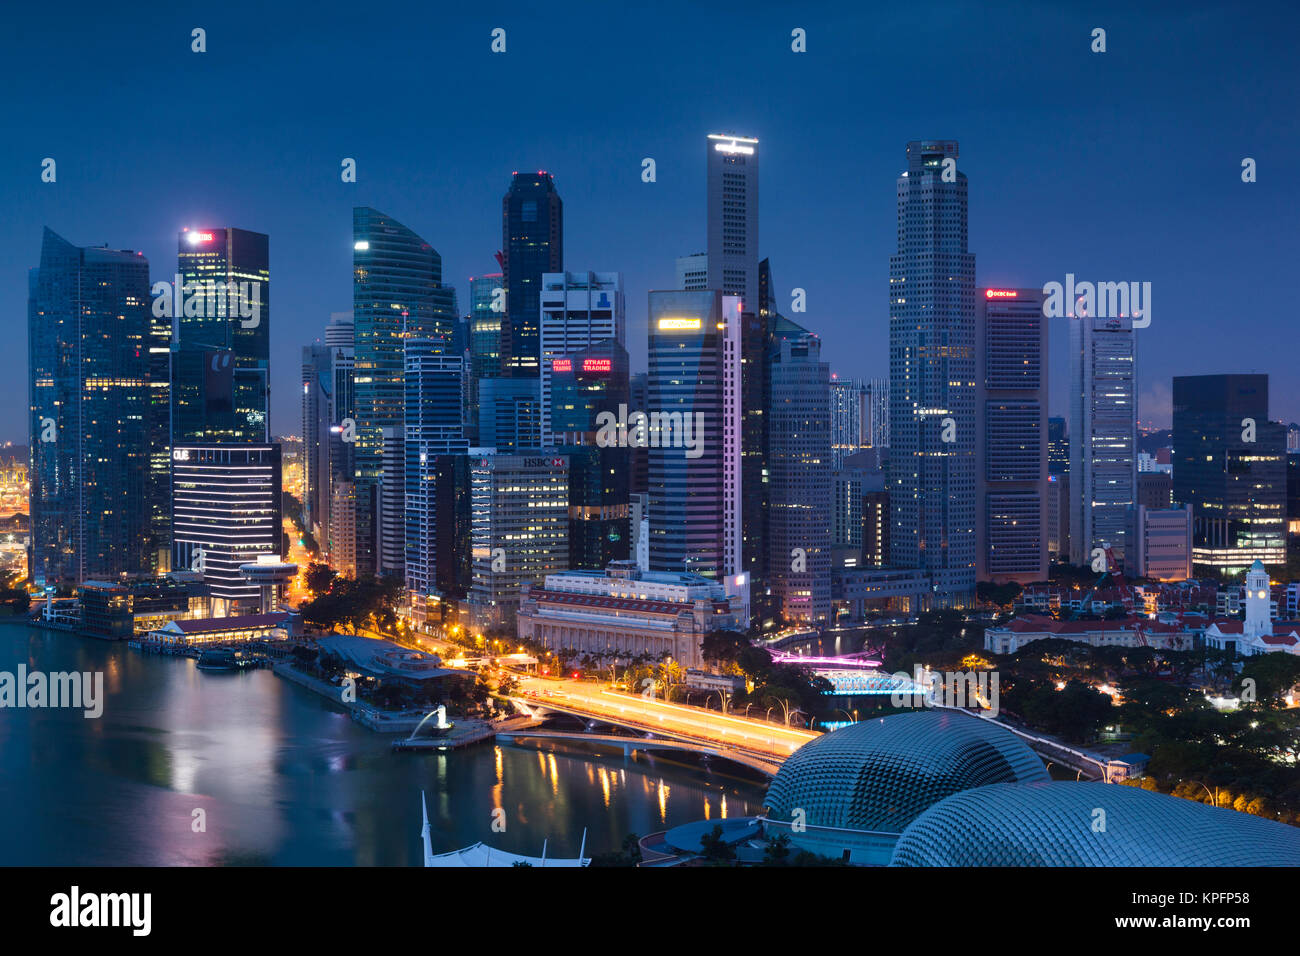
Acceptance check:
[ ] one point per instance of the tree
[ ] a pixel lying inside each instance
(1274, 674)
(715, 847)
(319, 577)
(777, 851)
(723, 647)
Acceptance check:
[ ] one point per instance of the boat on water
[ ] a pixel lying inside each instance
(223, 659)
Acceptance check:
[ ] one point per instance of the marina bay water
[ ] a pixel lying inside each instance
(284, 778)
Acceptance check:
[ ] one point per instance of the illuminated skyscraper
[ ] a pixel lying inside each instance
(694, 444)
(1103, 435)
(732, 253)
(89, 333)
(519, 528)
(932, 376)
(433, 433)
(578, 310)
(226, 512)
(801, 479)
(397, 293)
(1011, 452)
(221, 356)
(487, 314)
(1230, 466)
(590, 386)
(532, 236)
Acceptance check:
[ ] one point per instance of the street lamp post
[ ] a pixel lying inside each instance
(1213, 796)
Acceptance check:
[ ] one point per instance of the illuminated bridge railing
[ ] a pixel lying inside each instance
(845, 682)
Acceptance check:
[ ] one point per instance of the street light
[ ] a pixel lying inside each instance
(1213, 796)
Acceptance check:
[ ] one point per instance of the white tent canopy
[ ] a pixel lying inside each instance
(480, 854)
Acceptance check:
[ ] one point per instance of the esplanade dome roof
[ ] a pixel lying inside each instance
(880, 774)
(1064, 823)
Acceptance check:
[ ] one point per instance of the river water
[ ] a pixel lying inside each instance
(285, 778)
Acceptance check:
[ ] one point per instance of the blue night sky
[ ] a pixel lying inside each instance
(1117, 166)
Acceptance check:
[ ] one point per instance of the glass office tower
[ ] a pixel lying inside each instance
(1230, 466)
(397, 293)
(89, 333)
(221, 352)
(532, 239)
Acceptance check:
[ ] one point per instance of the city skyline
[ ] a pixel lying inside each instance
(930, 499)
(616, 221)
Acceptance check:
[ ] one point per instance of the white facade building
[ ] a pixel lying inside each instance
(624, 612)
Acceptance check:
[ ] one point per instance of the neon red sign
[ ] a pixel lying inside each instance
(562, 365)
(1000, 293)
(597, 365)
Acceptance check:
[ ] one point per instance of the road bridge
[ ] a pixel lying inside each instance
(763, 764)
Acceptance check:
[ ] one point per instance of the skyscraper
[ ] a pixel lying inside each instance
(848, 430)
(1011, 422)
(509, 413)
(589, 387)
(932, 375)
(693, 272)
(317, 406)
(519, 529)
(732, 163)
(532, 236)
(1058, 447)
(1230, 466)
(342, 439)
(694, 443)
(433, 432)
(801, 479)
(221, 357)
(578, 310)
(225, 513)
(89, 334)
(397, 293)
(1103, 434)
(487, 314)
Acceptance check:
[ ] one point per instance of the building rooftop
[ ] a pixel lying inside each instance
(246, 622)
(1068, 823)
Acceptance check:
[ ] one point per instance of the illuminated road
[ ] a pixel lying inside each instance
(656, 716)
(296, 591)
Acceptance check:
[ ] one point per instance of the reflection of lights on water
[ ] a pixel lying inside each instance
(500, 767)
(723, 809)
(555, 776)
(663, 802)
(604, 786)
(185, 770)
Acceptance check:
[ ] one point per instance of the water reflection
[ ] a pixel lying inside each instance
(283, 778)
